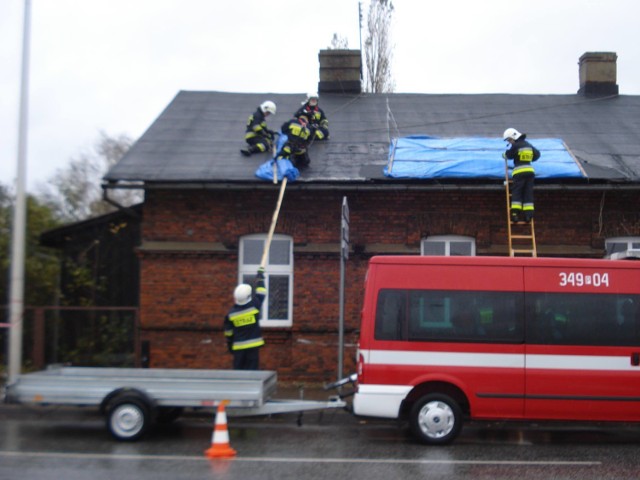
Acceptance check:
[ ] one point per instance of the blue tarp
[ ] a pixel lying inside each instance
(472, 157)
(284, 166)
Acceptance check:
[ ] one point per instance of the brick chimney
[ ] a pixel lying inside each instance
(598, 74)
(340, 71)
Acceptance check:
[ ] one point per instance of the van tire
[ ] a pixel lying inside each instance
(435, 419)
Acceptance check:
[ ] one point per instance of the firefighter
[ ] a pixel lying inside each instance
(317, 119)
(258, 136)
(523, 154)
(242, 325)
(298, 139)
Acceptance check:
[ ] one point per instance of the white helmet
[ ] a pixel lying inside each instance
(511, 133)
(311, 96)
(268, 106)
(242, 294)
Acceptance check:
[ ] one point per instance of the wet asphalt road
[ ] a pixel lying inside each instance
(71, 443)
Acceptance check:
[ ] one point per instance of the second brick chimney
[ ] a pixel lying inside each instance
(340, 71)
(598, 74)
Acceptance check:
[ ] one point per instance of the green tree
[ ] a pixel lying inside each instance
(378, 48)
(41, 263)
(74, 193)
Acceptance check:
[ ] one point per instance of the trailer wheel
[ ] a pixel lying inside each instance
(436, 419)
(128, 417)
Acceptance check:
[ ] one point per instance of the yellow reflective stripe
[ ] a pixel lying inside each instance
(228, 333)
(523, 169)
(248, 344)
(261, 290)
(297, 131)
(244, 317)
(525, 154)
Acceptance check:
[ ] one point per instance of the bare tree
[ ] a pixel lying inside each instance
(378, 48)
(338, 42)
(74, 193)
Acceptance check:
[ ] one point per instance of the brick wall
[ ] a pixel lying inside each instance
(186, 293)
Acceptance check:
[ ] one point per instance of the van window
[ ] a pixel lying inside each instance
(583, 319)
(453, 316)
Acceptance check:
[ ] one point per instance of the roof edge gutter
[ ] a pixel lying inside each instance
(352, 187)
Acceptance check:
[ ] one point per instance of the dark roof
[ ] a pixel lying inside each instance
(197, 138)
(56, 237)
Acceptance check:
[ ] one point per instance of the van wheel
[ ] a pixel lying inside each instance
(128, 417)
(436, 419)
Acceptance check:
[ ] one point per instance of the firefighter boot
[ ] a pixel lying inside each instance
(249, 150)
(515, 218)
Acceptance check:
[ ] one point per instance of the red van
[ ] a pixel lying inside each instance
(445, 339)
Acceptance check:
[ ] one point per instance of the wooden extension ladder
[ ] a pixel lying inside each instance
(522, 235)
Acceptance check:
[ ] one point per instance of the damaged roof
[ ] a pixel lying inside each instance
(197, 138)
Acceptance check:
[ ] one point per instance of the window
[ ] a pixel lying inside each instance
(278, 305)
(621, 244)
(448, 245)
(450, 316)
(583, 319)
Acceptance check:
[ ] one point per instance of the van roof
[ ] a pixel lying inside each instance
(503, 261)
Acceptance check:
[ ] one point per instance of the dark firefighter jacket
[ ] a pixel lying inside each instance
(257, 125)
(298, 134)
(315, 115)
(241, 324)
(522, 153)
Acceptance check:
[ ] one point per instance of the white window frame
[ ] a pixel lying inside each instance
(251, 269)
(632, 244)
(447, 240)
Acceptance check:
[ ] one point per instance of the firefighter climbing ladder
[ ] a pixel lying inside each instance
(522, 235)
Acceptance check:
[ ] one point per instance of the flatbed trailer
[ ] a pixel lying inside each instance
(133, 398)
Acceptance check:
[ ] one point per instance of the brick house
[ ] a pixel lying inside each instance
(206, 215)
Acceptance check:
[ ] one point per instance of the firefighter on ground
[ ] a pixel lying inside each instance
(299, 136)
(258, 136)
(242, 324)
(317, 119)
(523, 154)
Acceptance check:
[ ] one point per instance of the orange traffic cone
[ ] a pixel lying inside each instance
(220, 447)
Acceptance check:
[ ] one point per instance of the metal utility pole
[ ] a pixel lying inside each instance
(344, 256)
(360, 33)
(16, 294)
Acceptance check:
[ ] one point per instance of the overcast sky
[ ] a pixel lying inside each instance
(114, 65)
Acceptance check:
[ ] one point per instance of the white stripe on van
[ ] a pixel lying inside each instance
(580, 362)
(446, 359)
(500, 360)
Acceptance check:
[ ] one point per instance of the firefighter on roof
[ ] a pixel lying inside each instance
(523, 154)
(242, 324)
(317, 119)
(299, 137)
(258, 136)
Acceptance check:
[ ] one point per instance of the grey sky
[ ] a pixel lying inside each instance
(113, 65)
